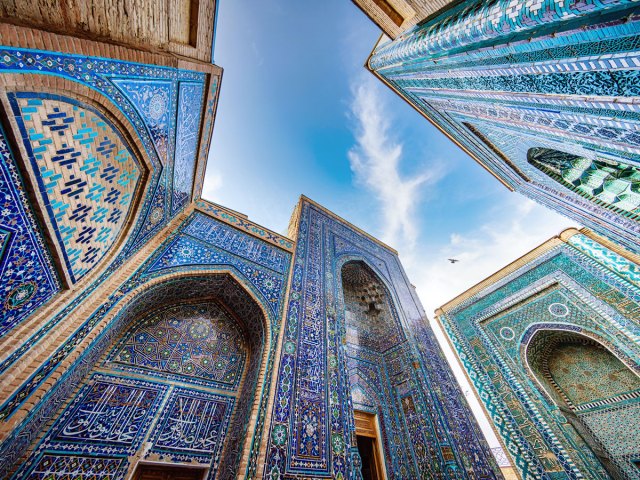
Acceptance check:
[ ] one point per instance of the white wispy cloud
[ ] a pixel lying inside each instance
(212, 185)
(375, 161)
(518, 226)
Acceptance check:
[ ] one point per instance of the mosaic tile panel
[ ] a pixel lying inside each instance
(108, 415)
(157, 266)
(506, 76)
(66, 467)
(86, 173)
(245, 225)
(513, 323)
(201, 344)
(628, 270)
(187, 134)
(148, 97)
(237, 242)
(192, 424)
(27, 276)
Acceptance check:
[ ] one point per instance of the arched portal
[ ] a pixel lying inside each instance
(174, 387)
(596, 392)
(374, 340)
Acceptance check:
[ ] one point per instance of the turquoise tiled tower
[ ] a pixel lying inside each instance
(542, 93)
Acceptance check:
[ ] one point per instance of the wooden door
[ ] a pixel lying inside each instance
(369, 446)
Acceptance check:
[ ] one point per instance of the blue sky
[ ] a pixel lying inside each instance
(298, 113)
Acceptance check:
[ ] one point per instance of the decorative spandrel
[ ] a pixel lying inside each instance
(187, 130)
(155, 101)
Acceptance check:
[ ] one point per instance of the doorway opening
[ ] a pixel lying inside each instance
(369, 446)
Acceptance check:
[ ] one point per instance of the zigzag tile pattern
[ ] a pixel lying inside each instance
(85, 171)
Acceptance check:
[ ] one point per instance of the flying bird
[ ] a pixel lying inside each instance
(453, 260)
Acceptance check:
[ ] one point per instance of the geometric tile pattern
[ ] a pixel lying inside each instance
(148, 97)
(311, 431)
(27, 276)
(202, 343)
(85, 172)
(373, 389)
(616, 429)
(507, 78)
(67, 467)
(192, 424)
(563, 320)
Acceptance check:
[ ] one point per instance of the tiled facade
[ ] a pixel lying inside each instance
(551, 346)
(144, 325)
(507, 80)
(428, 426)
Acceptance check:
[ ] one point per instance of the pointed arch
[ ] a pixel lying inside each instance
(233, 417)
(596, 392)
